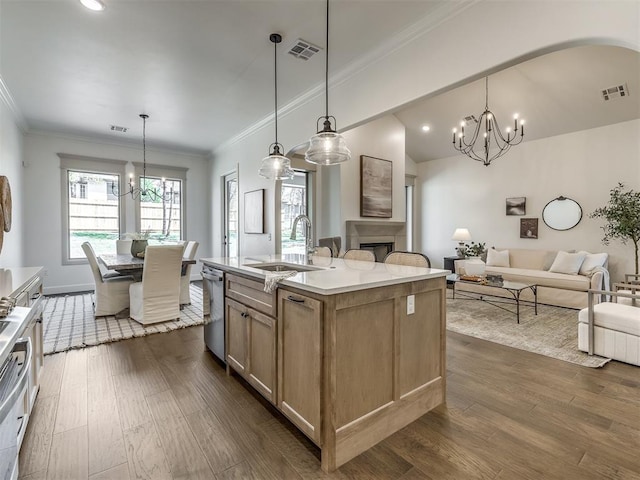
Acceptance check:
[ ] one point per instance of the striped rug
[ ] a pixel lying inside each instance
(69, 323)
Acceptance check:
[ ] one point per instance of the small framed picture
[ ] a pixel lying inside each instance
(528, 228)
(516, 206)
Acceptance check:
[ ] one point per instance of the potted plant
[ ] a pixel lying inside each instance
(622, 216)
(474, 249)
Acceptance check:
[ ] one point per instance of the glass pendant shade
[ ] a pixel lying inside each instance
(276, 166)
(327, 148)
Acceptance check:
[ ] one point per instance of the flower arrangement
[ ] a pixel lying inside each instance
(137, 235)
(474, 249)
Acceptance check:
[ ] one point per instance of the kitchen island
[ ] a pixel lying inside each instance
(349, 351)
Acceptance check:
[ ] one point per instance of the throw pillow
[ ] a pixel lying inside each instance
(497, 258)
(591, 261)
(569, 263)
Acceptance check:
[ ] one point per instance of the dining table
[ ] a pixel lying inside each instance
(129, 265)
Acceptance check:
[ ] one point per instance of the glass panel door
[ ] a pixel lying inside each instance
(231, 215)
(293, 202)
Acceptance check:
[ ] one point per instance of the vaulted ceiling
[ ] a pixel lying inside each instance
(203, 70)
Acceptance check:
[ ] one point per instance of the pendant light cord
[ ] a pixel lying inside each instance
(275, 82)
(326, 69)
(486, 93)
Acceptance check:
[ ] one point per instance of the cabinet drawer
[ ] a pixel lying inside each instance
(251, 293)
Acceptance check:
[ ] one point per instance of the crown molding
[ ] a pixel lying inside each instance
(115, 143)
(444, 12)
(7, 99)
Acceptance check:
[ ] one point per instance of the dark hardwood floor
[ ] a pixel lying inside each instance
(160, 407)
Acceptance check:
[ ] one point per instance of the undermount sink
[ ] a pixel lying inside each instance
(282, 267)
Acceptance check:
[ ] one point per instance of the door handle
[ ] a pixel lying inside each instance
(294, 299)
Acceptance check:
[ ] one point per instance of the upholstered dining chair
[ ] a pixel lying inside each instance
(157, 297)
(322, 252)
(361, 255)
(190, 250)
(111, 291)
(123, 247)
(410, 259)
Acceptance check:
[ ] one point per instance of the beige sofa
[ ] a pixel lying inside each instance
(532, 266)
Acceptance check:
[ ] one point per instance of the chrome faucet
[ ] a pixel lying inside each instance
(304, 218)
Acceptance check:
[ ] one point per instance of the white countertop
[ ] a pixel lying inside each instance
(14, 279)
(334, 275)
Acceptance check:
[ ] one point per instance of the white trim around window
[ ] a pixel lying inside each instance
(79, 163)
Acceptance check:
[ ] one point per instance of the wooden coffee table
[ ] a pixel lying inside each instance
(514, 288)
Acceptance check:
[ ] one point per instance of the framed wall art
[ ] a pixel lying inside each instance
(528, 228)
(516, 206)
(376, 187)
(254, 211)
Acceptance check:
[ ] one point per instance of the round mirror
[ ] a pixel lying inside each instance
(562, 213)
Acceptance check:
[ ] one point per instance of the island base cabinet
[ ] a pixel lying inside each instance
(251, 347)
(299, 361)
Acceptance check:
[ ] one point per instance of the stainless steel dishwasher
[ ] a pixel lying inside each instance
(213, 310)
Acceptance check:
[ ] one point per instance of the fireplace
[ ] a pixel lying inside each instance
(380, 250)
(380, 237)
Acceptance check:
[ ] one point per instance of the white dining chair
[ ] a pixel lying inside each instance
(157, 297)
(123, 247)
(112, 291)
(322, 252)
(410, 259)
(190, 250)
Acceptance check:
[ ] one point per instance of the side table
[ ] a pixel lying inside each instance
(449, 265)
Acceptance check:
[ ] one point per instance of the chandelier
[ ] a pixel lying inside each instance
(327, 147)
(276, 166)
(491, 144)
(145, 189)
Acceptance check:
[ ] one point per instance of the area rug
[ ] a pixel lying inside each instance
(553, 332)
(69, 323)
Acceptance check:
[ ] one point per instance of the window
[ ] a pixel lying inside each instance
(408, 191)
(91, 213)
(294, 201)
(160, 211)
(231, 215)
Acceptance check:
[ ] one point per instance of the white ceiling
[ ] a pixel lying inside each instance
(556, 93)
(203, 70)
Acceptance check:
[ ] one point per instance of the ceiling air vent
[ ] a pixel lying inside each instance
(470, 120)
(303, 49)
(116, 128)
(617, 91)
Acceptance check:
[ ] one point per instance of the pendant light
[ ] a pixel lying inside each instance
(327, 147)
(276, 166)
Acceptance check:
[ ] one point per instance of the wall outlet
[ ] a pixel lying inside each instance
(411, 304)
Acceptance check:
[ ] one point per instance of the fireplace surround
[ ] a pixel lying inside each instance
(371, 233)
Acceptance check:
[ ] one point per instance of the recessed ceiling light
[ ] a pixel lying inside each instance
(426, 128)
(95, 5)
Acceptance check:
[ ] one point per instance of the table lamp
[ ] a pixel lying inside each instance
(461, 235)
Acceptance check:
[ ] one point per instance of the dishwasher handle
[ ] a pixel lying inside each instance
(214, 278)
(23, 345)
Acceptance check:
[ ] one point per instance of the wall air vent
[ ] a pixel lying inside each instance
(303, 49)
(617, 91)
(116, 128)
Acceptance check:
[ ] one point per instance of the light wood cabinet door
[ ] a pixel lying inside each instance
(300, 360)
(237, 336)
(262, 354)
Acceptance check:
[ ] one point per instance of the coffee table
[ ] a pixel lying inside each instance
(514, 288)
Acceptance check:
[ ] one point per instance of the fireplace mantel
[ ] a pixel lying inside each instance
(358, 231)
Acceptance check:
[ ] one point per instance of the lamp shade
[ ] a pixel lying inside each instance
(276, 167)
(327, 148)
(461, 235)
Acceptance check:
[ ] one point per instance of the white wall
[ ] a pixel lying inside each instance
(459, 192)
(11, 151)
(422, 65)
(43, 231)
(382, 138)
